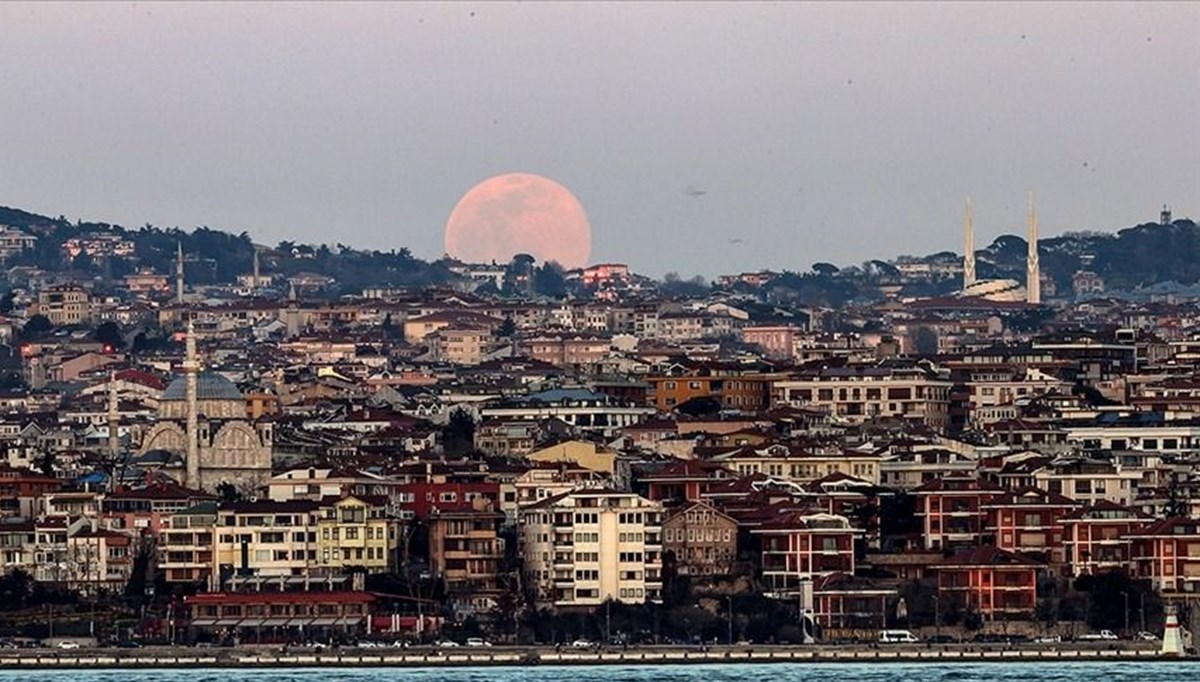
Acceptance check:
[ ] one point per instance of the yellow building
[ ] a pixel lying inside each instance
(356, 531)
(587, 455)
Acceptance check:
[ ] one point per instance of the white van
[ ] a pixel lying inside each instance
(897, 637)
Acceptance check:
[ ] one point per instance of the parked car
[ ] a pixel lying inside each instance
(1102, 636)
(582, 644)
(897, 637)
(1146, 636)
(477, 641)
(447, 644)
(68, 645)
(1048, 639)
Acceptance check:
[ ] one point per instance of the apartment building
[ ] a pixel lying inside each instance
(586, 547)
(701, 539)
(459, 346)
(1028, 521)
(466, 552)
(799, 546)
(1098, 538)
(996, 584)
(1089, 481)
(951, 510)
(356, 532)
(857, 394)
(186, 541)
(265, 539)
(65, 304)
(1167, 553)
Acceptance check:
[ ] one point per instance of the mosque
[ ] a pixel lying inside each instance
(1006, 290)
(203, 433)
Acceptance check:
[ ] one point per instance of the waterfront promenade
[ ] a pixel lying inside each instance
(174, 657)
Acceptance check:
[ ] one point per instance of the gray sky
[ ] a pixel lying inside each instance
(835, 132)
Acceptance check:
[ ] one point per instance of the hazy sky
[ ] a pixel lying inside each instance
(835, 132)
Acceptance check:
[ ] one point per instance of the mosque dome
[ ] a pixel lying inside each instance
(209, 386)
(995, 290)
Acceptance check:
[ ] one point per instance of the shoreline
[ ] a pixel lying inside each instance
(536, 656)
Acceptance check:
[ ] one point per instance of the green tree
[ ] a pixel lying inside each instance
(548, 280)
(6, 303)
(507, 328)
(37, 327)
(109, 333)
(458, 436)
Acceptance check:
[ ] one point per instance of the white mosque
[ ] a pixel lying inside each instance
(1007, 290)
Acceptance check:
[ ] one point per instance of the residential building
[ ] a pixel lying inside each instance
(799, 546)
(700, 540)
(466, 552)
(951, 510)
(1098, 538)
(1028, 521)
(996, 584)
(589, 546)
(857, 394)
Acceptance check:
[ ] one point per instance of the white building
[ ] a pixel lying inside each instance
(585, 547)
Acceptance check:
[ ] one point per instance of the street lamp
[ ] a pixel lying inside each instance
(937, 617)
(1125, 595)
(729, 614)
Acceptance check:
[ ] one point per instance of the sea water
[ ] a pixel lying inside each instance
(1133, 671)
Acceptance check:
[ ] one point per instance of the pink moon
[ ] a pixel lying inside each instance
(519, 213)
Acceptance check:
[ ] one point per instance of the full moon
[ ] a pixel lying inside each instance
(519, 213)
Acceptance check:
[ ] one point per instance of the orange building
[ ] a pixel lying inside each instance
(951, 509)
(1167, 553)
(731, 388)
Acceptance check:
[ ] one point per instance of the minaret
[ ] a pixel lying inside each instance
(191, 366)
(179, 273)
(292, 317)
(1033, 273)
(254, 283)
(968, 248)
(114, 418)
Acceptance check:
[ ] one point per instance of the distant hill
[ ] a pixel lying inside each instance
(1137, 256)
(212, 256)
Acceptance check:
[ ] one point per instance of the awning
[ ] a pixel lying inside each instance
(324, 621)
(227, 622)
(203, 622)
(252, 623)
(276, 622)
(351, 620)
(298, 622)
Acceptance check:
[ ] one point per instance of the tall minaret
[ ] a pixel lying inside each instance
(1033, 273)
(292, 317)
(179, 274)
(191, 366)
(114, 418)
(968, 248)
(254, 284)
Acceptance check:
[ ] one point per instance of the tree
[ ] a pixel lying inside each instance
(458, 437)
(925, 341)
(507, 328)
(6, 303)
(548, 280)
(37, 327)
(109, 333)
(825, 269)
